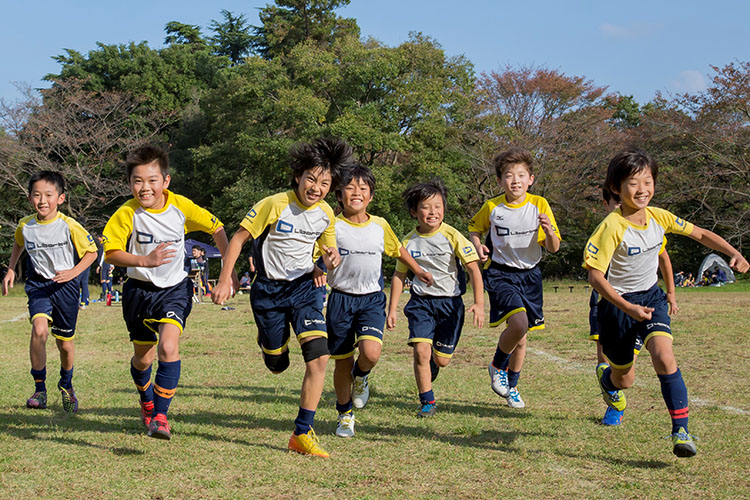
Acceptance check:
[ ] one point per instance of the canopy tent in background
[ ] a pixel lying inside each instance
(713, 263)
(211, 252)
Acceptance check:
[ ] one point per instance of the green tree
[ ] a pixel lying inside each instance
(182, 34)
(232, 37)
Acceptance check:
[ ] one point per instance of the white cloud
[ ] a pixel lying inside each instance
(690, 81)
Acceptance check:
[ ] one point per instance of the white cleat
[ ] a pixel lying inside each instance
(514, 399)
(360, 392)
(499, 379)
(345, 428)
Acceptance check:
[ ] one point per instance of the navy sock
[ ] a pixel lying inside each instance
(427, 397)
(675, 394)
(607, 380)
(513, 378)
(504, 364)
(40, 376)
(500, 359)
(66, 378)
(142, 381)
(304, 421)
(165, 385)
(343, 408)
(359, 372)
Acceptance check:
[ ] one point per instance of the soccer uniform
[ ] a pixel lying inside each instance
(162, 294)
(629, 255)
(512, 279)
(356, 305)
(52, 246)
(285, 232)
(436, 313)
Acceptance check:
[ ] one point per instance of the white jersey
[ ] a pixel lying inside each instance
(361, 247)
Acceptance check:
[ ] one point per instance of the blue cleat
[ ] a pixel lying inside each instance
(612, 417)
(614, 399)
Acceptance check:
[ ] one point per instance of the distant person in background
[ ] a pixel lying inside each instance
(105, 271)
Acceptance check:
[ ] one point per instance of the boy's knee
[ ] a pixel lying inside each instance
(277, 363)
(441, 361)
(314, 349)
(518, 323)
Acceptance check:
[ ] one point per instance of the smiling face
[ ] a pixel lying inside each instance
(45, 199)
(148, 184)
(636, 192)
(313, 185)
(515, 181)
(429, 214)
(355, 197)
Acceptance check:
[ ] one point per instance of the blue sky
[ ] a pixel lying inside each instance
(635, 48)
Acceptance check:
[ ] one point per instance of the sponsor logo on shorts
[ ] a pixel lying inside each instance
(173, 315)
(309, 322)
(62, 330)
(649, 326)
(447, 346)
(368, 328)
(538, 320)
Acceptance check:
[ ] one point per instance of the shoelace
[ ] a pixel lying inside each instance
(359, 385)
(683, 436)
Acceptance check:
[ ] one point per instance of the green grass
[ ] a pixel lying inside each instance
(231, 418)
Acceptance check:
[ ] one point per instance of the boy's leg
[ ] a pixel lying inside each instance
(423, 376)
(140, 371)
(507, 343)
(166, 380)
(369, 355)
(342, 380)
(65, 386)
(38, 357)
(515, 363)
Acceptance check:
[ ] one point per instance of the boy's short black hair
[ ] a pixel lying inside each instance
(513, 156)
(606, 195)
(148, 154)
(54, 178)
(413, 195)
(359, 172)
(331, 154)
(626, 163)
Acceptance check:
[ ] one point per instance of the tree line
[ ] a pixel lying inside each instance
(230, 103)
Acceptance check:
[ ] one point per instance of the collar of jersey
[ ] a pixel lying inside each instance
(36, 218)
(167, 202)
(516, 205)
(427, 235)
(632, 224)
(293, 194)
(356, 224)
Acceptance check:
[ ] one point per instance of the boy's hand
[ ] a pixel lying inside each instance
(221, 293)
(10, 277)
(672, 301)
(639, 313)
(390, 321)
(426, 278)
(319, 277)
(331, 257)
(545, 223)
(235, 283)
(160, 255)
(739, 263)
(478, 311)
(64, 276)
(483, 252)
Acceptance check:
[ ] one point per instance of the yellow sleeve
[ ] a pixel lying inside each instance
(544, 208)
(671, 223)
(328, 237)
(19, 231)
(119, 228)
(82, 240)
(400, 266)
(196, 218)
(480, 223)
(602, 244)
(663, 246)
(462, 248)
(264, 213)
(392, 243)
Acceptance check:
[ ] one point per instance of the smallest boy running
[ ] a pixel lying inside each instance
(58, 250)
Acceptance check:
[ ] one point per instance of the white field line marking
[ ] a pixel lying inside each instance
(17, 318)
(572, 365)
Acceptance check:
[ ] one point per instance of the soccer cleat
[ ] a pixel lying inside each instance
(434, 370)
(69, 399)
(514, 399)
(427, 410)
(37, 401)
(684, 445)
(360, 392)
(614, 399)
(147, 412)
(499, 380)
(159, 427)
(612, 417)
(307, 444)
(345, 428)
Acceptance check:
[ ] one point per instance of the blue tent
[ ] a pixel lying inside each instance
(211, 252)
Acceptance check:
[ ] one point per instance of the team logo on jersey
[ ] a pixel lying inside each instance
(634, 250)
(502, 231)
(343, 251)
(251, 214)
(467, 250)
(679, 222)
(284, 227)
(143, 238)
(591, 248)
(90, 238)
(415, 253)
(30, 245)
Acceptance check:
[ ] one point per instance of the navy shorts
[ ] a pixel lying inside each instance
(145, 305)
(513, 290)
(622, 337)
(593, 319)
(437, 320)
(277, 304)
(58, 302)
(351, 318)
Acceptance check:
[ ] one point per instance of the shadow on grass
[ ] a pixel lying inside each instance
(610, 460)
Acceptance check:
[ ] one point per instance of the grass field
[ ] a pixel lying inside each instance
(231, 418)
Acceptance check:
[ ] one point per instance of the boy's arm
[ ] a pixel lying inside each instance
(551, 240)
(475, 275)
(223, 289)
(601, 285)
(70, 274)
(397, 286)
(665, 266)
(420, 273)
(10, 276)
(222, 242)
(162, 254)
(482, 250)
(715, 242)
